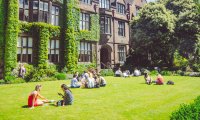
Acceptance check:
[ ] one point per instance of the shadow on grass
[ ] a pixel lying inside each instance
(50, 104)
(25, 106)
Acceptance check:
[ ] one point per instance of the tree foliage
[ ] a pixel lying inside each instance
(151, 33)
(180, 21)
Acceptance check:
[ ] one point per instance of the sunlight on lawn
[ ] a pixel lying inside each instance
(121, 99)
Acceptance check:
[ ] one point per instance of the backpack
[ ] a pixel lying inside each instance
(170, 82)
(59, 103)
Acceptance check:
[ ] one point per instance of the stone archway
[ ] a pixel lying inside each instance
(105, 57)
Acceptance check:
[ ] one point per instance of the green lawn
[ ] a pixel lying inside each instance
(121, 99)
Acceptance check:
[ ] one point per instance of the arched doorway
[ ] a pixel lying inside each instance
(105, 57)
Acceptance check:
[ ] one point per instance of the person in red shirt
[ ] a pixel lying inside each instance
(33, 98)
(160, 80)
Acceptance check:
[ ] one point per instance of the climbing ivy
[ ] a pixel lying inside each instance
(11, 35)
(44, 32)
(70, 45)
(94, 33)
(2, 20)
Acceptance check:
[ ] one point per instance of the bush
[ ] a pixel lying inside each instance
(154, 72)
(2, 81)
(17, 80)
(60, 76)
(196, 67)
(36, 74)
(107, 72)
(187, 112)
(8, 79)
(82, 67)
(49, 79)
(166, 73)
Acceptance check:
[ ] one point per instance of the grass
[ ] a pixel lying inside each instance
(121, 99)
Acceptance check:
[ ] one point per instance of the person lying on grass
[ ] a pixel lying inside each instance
(33, 98)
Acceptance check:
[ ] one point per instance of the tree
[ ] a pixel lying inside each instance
(151, 32)
(187, 30)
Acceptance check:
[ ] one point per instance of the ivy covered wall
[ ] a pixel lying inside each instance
(44, 32)
(71, 34)
(11, 36)
(69, 27)
(94, 33)
(2, 20)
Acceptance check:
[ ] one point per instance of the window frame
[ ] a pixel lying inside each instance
(89, 2)
(105, 24)
(122, 53)
(27, 47)
(84, 23)
(85, 54)
(104, 4)
(121, 28)
(54, 57)
(22, 15)
(56, 15)
(121, 8)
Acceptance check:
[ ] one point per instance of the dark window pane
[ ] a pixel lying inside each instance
(21, 3)
(26, 5)
(41, 5)
(46, 7)
(35, 4)
(26, 15)
(35, 15)
(21, 14)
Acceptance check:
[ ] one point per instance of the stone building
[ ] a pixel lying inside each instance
(110, 49)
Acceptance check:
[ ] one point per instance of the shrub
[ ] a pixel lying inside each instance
(187, 112)
(49, 79)
(82, 67)
(17, 80)
(107, 72)
(196, 67)
(166, 73)
(60, 76)
(8, 78)
(2, 81)
(35, 74)
(154, 72)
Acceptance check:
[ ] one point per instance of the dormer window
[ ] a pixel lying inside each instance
(120, 8)
(104, 4)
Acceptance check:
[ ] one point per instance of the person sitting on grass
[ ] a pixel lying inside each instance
(118, 73)
(160, 80)
(74, 82)
(147, 78)
(67, 97)
(33, 98)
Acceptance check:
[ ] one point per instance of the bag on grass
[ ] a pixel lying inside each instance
(170, 82)
(59, 103)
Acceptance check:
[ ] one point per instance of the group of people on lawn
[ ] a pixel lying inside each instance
(89, 79)
(136, 72)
